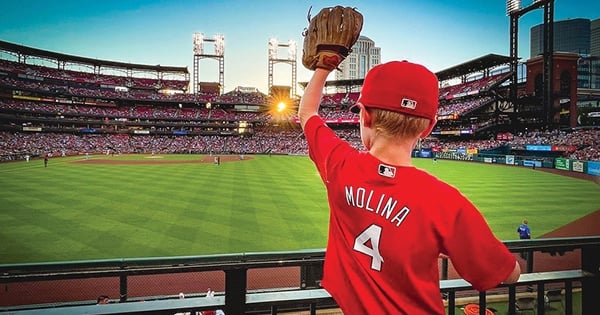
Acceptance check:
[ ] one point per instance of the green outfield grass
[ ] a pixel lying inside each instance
(73, 211)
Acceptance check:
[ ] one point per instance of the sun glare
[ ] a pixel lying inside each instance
(281, 106)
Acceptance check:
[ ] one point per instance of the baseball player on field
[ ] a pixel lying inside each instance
(390, 221)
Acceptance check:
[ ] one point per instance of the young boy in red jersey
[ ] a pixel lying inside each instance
(390, 221)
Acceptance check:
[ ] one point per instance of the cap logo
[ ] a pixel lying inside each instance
(408, 103)
(387, 171)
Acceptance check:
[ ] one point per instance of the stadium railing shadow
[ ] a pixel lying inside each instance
(238, 299)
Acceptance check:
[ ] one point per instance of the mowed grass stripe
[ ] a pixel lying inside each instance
(72, 211)
(506, 195)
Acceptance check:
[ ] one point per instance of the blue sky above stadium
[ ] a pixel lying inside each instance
(439, 34)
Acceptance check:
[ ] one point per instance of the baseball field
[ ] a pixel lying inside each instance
(179, 205)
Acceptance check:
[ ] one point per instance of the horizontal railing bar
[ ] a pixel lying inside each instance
(245, 261)
(252, 260)
(145, 307)
(21, 275)
(544, 244)
(207, 262)
(255, 299)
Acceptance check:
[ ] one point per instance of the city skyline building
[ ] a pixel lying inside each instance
(580, 36)
(595, 38)
(364, 56)
(572, 35)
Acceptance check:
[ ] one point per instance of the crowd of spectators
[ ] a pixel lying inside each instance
(265, 137)
(39, 72)
(266, 140)
(94, 85)
(133, 113)
(461, 106)
(470, 87)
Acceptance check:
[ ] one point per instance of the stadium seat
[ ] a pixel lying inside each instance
(525, 304)
(553, 296)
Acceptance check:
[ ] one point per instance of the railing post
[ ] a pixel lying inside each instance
(541, 290)
(569, 298)
(482, 303)
(512, 299)
(451, 302)
(235, 291)
(529, 261)
(123, 285)
(590, 262)
(444, 268)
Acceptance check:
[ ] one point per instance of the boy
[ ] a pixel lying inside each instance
(389, 221)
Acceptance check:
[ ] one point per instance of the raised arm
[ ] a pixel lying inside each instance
(309, 104)
(514, 275)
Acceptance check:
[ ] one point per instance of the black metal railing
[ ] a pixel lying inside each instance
(237, 298)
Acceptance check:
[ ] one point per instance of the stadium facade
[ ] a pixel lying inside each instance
(580, 36)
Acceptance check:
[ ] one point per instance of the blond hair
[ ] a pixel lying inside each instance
(392, 124)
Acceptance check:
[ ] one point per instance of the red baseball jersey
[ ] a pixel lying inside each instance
(387, 226)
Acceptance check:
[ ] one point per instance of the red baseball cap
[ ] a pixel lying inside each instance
(403, 87)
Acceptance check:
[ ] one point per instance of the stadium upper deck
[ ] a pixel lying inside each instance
(60, 100)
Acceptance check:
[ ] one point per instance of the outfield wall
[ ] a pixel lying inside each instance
(560, 163)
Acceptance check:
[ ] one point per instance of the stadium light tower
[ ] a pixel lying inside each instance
(515, 9)
(292, 55)
(512, 6)
(200, 53)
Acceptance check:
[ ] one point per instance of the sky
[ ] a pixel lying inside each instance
(438, 34)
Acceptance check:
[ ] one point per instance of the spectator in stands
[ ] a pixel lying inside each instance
(181, 297)
(211, 294)
(103, 299)
(385, 236)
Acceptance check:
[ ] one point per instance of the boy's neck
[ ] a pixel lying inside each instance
(394, 153)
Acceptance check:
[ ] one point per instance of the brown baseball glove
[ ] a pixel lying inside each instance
(330, 36)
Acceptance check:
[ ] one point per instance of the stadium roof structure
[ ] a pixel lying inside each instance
(476, 65)
(30, 51)
(350, 82)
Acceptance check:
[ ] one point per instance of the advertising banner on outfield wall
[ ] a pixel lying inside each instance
(510, 159)
(531, 163)
(562, 164)
(578, 166)
(425, 153)
(593, 168)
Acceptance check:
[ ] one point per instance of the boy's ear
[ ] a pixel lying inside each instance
(365, 115)
(427, 131)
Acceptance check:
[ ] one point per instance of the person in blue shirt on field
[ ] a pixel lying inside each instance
(524, 231)
(524, 234)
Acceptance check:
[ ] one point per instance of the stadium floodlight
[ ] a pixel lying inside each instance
(292, 50)
(273, 46)
(219, 45)
(198, 43)
(512, 6)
